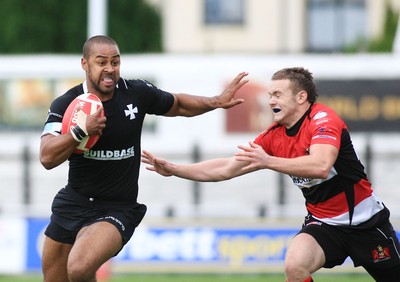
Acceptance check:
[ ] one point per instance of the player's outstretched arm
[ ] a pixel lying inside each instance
(191, 105)
(317, 164)
(207, 171)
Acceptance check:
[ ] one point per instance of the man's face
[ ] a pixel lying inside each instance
(283, 102)
(102, 69)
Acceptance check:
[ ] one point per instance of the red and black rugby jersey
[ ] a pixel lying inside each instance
(346, 196)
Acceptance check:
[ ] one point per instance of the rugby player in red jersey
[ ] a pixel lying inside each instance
(309, 142)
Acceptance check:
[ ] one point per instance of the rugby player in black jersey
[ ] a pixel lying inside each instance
(96, 213)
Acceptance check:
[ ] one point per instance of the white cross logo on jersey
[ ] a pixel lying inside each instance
(131, 111)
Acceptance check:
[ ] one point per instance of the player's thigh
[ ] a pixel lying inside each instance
(305, 252)
(54, 260)
(94, 245)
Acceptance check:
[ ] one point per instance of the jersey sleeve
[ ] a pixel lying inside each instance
(55, 115)
(326, 128)
(159, 101)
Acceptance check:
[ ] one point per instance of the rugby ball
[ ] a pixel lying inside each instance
(89, 104)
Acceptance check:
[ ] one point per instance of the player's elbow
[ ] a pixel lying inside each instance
(47, 161)
(220, 178)
(214, 176)
(223, 175)
(323, 171)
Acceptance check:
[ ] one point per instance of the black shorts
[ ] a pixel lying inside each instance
(376, 249)
(71, 212)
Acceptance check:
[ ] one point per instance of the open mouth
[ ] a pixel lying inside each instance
(108, 80)
(276, 110)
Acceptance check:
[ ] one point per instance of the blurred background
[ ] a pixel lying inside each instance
(197, 46)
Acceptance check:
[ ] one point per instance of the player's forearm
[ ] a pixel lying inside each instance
(305, 166)
(207, 171)
(318, 164)
(54, 150)
(191, 105)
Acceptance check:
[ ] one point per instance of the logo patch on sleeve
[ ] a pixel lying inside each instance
(320, 115)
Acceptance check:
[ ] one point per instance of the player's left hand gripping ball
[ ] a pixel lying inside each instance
(74, 120)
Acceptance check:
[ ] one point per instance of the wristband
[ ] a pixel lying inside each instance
(78, 133)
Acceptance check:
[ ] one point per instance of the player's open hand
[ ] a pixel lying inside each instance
(227, 98)
(254, 154)
(158, 165)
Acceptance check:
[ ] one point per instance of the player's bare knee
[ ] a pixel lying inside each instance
(79, 271)
(295, 271)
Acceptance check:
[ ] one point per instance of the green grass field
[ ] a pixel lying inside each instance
(323, 277)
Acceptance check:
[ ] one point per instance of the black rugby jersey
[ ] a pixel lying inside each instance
(110, 170)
